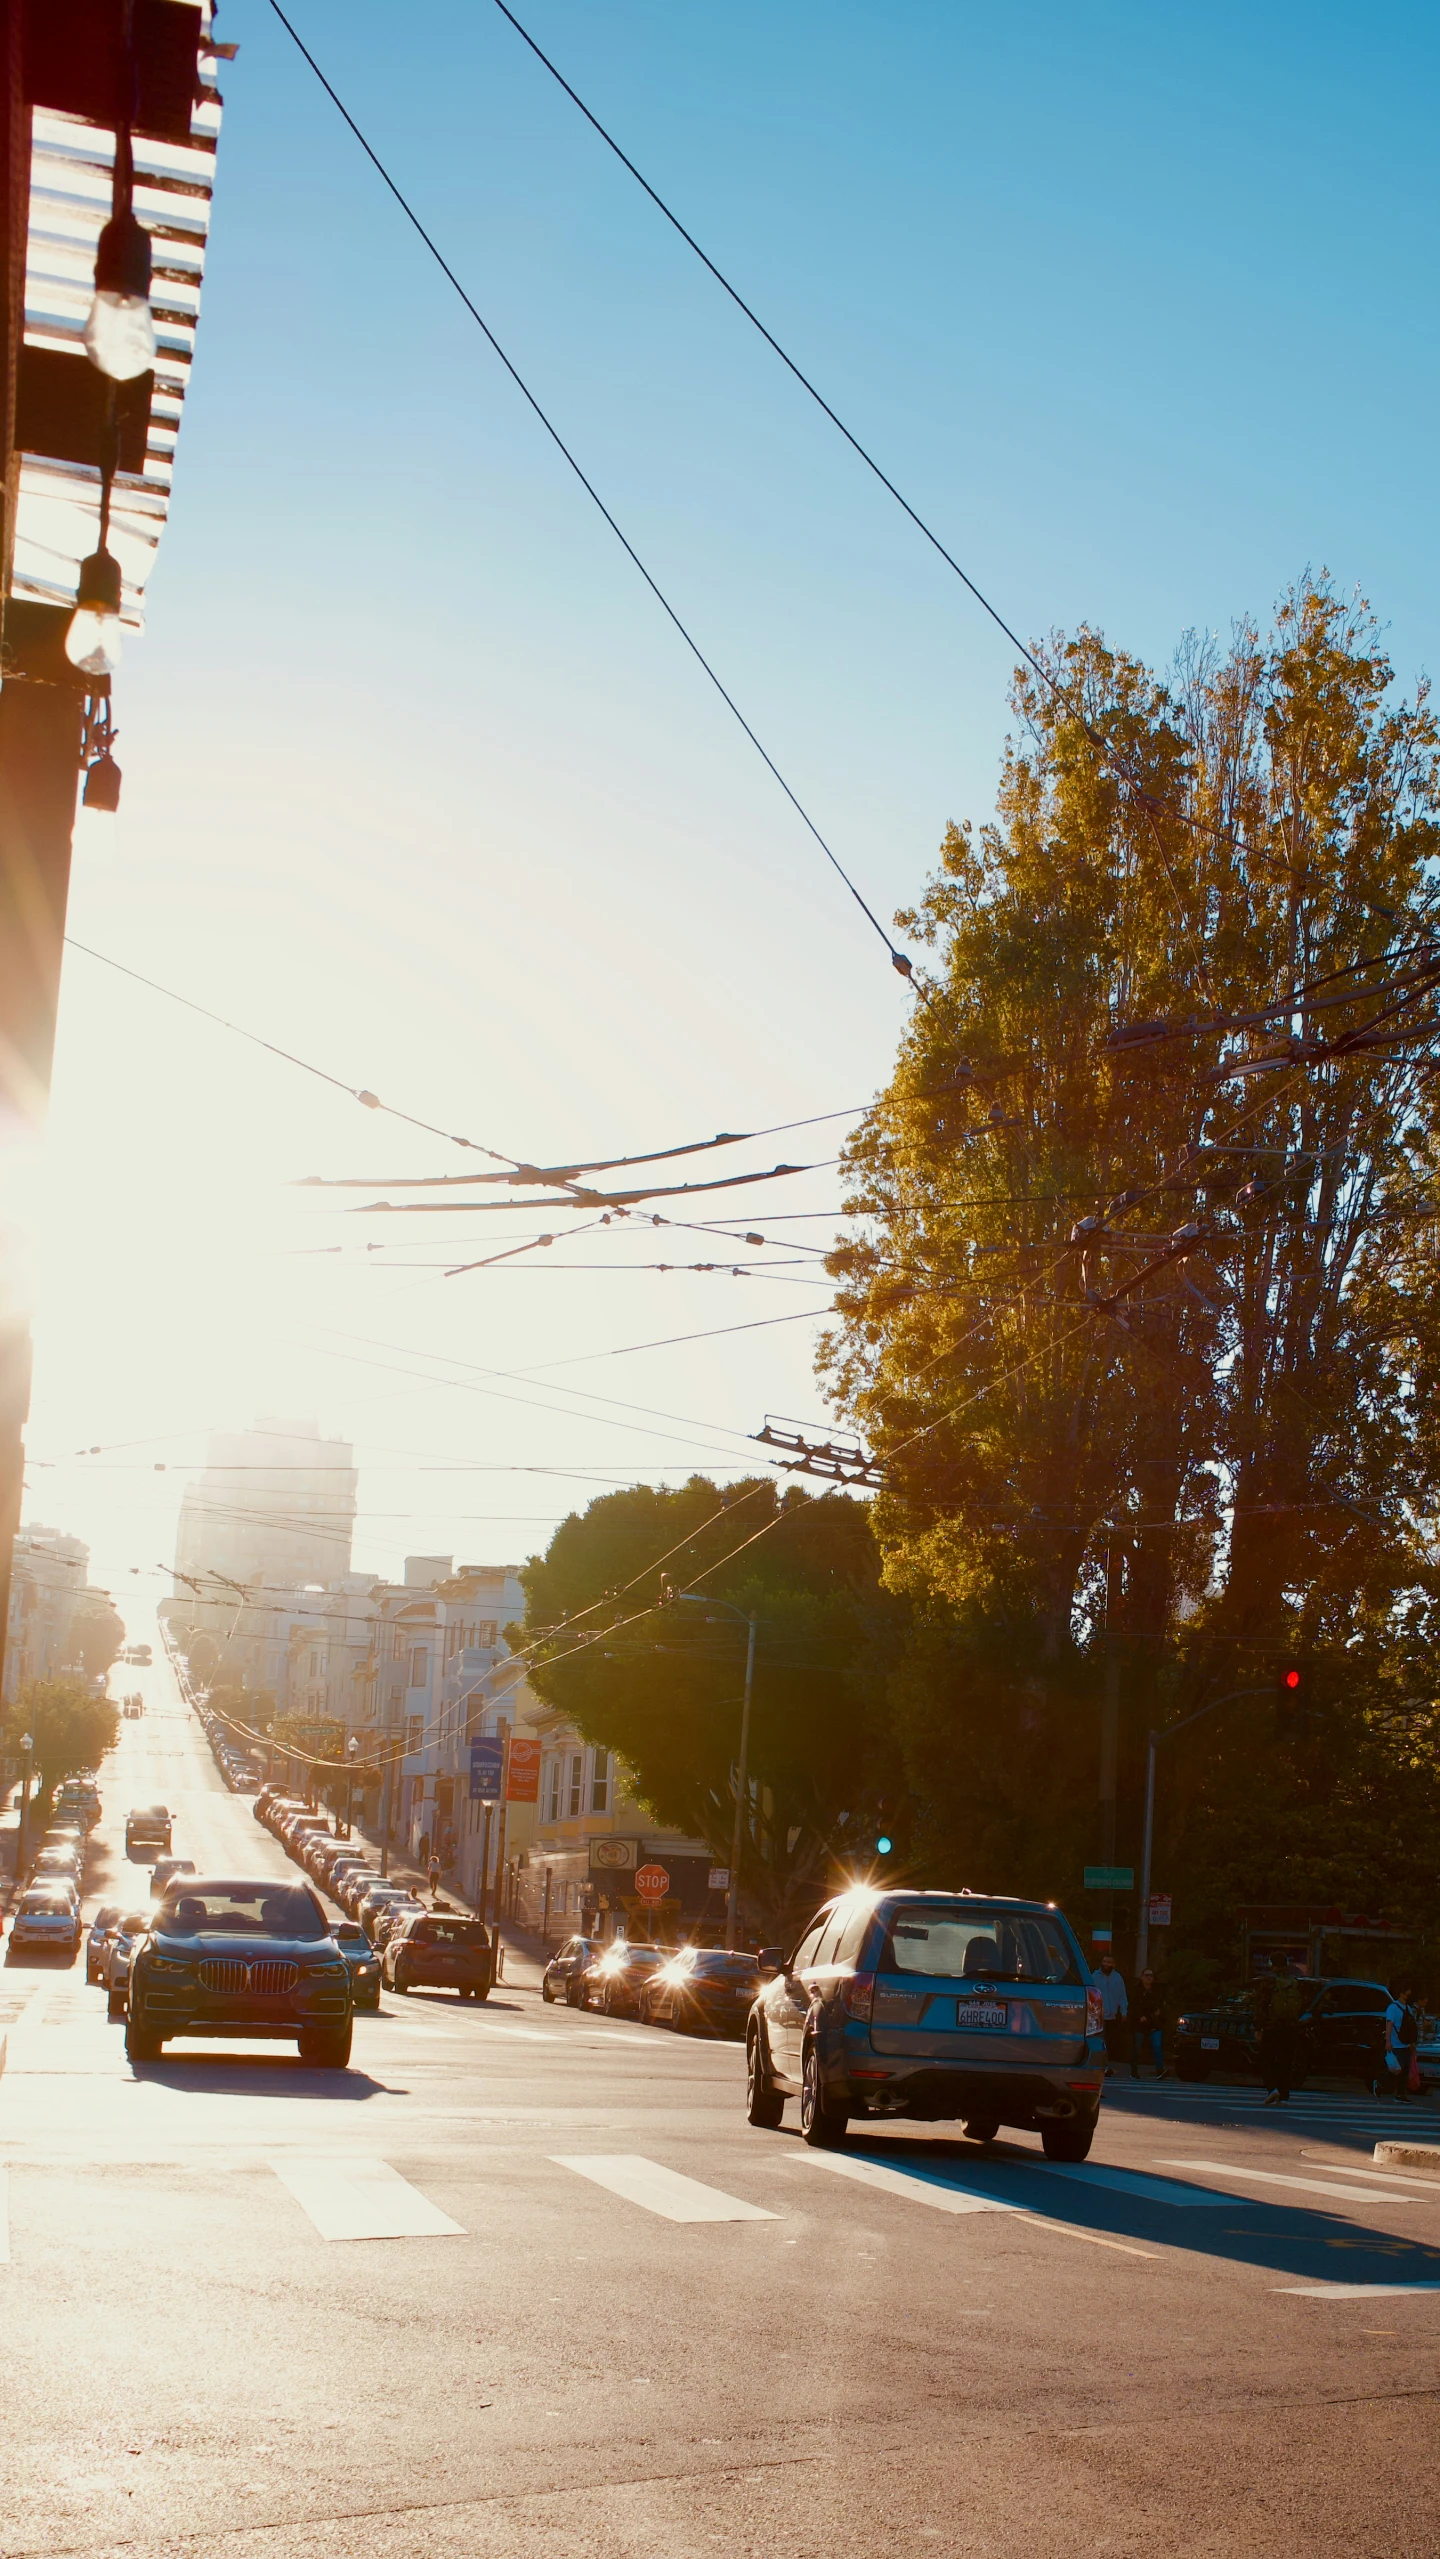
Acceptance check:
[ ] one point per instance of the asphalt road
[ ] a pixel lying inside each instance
(524, 2284)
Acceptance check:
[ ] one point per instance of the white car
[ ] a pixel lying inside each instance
(49, 1915)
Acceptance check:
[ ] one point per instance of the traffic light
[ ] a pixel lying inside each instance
(884, 1844)
(1292, 1697)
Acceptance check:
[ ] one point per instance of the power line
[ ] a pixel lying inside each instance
(1037, 666)
(899, 960)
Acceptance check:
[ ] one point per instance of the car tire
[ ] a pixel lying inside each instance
(573, 1990)
(141, 2046)
(547, 1994)
(982, 2127)
(764, 2105)
(402, 1984)
(325, 2047)
(1069, 2141)
(115, 2009)
(822, 2126)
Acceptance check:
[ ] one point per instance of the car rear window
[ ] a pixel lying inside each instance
(974, 1939)
(450, 1932)
(243, 1910)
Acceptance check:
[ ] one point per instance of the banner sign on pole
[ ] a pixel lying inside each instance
(487, 1762)
(522, 1783)
(1109, 1879)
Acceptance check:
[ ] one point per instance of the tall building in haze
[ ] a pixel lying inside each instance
(274, 1506)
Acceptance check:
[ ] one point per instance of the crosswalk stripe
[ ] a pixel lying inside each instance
(662, 2190)
(1131, 2181)
(362, 2199)
(1381, 2176)
(1272, 2177)
(916, 2187)
(1353, 2292)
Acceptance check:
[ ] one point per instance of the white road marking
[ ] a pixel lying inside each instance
(1352, 2292)
(916, 2188)
(1130, 2181)
(362, 2199)
(662, 2190)
(1382, 2176)
(1272, 2177)
(909, 2182)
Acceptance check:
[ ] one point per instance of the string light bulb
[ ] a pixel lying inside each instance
(93, 642)
(120, 332)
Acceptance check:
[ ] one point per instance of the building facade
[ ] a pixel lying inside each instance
(590, 1839)
(49, 1574)
(272, 1510)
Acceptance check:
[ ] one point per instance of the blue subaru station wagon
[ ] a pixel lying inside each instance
(935, 2006)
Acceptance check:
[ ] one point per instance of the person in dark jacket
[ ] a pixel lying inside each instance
(1147, 2025)
(1279, 2017)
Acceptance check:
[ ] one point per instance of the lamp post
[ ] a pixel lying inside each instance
(1167, 1733)
(27, 1744)
(351, 1750)
(742, 1773)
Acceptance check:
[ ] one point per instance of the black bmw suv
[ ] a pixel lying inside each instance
(240, 1956)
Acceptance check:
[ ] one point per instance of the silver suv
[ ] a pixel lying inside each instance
(933, 2006)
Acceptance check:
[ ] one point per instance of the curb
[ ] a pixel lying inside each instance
(1409, 2154)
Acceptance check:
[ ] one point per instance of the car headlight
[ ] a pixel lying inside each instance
(164, 1964)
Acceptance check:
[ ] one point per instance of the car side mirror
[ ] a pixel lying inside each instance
(771, 1959)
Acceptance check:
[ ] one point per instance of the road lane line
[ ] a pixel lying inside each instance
(661, 2190)
(349, 2198)
(917, 2188)
(1272, 2177)
(1352, 2292)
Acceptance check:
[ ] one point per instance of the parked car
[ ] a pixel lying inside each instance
(165, 1868)
(97, 1944)
(614, 1981)
(930, 2005)
(438, 1950)
(352, 1887)
(147, 1832)
(377, 1897)
(1427, 2052)
(391, 1913)
(53, 1865)
(79, 1798)
(701, 1989)
(240, 1955)
(362, 1960)
(565, 1972)
(47, 1920)
(119, 1955)
(1342, 2034)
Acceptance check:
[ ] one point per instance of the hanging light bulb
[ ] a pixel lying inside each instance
(93, 642)
(120, 332)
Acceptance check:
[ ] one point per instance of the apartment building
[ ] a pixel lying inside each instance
(589, 1839)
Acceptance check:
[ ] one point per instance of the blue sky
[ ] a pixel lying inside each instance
(1136, 306)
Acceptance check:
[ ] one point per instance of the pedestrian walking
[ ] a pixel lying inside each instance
(1113, 2008)
(1147, 2025)
(433, 1871)
(1279, 2036)
(1402, 2033)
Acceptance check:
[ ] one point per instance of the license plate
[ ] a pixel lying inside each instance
(980, 2014)
(1209, 2043)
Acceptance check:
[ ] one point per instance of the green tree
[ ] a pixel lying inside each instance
(97, 1632)
(665, 1693)
(1137, 1313)
(72, 1729)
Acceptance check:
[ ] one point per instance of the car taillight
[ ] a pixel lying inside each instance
(1094, 2013)
(858, 1994)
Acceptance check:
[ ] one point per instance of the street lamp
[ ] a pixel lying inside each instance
(742, 1773)
(27, 1744)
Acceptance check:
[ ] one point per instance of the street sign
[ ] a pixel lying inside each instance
(1109, 1879)
(1100, 1937)
(522, 1782)
(718, 1880)
(1160, 1910)
(487, 1766)
(613, 1855)
(652, 1883)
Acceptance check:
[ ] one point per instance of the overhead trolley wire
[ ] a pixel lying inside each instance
(899, 959)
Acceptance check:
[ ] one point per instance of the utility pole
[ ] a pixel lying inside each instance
(1110, 1727)
(742, 1783)
(1167, 1733)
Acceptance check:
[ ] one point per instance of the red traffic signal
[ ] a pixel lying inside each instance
(1291, 1687)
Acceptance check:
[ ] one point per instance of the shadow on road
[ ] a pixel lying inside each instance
(246, 2074)
(1307, 2243)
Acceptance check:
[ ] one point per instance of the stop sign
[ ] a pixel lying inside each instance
(652, 1883)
